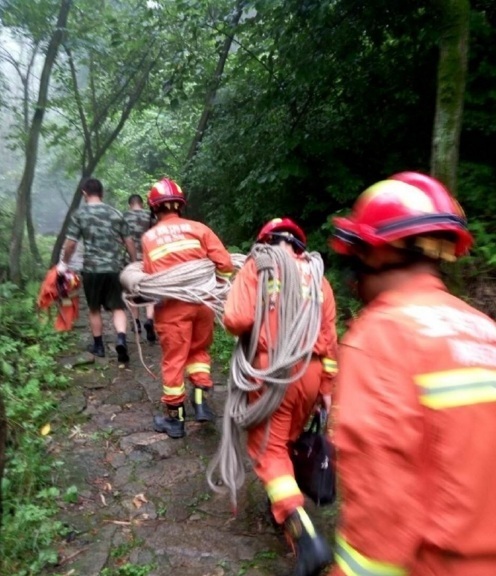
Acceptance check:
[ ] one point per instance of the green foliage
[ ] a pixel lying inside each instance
(222, 348)
(29, 385)
(128, 570)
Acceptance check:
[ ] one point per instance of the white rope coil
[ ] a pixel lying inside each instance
(298, 322)
(195, 282)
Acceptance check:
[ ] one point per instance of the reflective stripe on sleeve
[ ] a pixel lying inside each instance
(174, 390)
(197, 367)
(352, 563)
(460, 387)
(329, 365)
(281, 488)
(170, 247)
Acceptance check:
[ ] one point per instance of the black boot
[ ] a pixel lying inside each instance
(203, 412)
(97, 350)
(172, 423)
(150, 331)
(121, 349)
(312, 550)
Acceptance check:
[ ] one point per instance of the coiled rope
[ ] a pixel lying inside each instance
(298, 320)
(194, 281)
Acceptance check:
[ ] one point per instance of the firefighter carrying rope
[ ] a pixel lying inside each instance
(282, 309)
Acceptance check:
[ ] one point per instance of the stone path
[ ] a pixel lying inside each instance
(142, 504)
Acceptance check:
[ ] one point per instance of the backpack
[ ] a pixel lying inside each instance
(313, 455)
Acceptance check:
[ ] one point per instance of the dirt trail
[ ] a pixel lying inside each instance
(143, 505)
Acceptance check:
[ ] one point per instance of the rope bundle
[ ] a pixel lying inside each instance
(298, 321)
(194, 281)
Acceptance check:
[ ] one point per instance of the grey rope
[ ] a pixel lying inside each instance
(194, 281)
(298, 320)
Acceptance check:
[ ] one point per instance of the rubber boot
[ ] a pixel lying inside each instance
(172, 423)
(150, 331)
(121, 349)
(312, 550)
(203, 412)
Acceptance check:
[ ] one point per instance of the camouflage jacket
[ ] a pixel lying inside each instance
(102, 230)
(139, 221)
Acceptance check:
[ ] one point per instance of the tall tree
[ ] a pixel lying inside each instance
(23, 196)
(451, 80)
(24, 67)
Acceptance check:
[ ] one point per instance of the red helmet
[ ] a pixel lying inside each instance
(283, 228)
(406, 205)
(166, 191)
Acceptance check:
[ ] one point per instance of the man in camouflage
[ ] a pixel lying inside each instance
(103, 231)
(139, 221)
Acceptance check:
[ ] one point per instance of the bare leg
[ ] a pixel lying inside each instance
(149, 311)
(96, 324)
(120, 321)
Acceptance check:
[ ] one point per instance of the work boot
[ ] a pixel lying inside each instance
(97, 350)
(172, 423)
(203, 412)
(150, 331)
(134, 324)
(312, 550)
(121, 349)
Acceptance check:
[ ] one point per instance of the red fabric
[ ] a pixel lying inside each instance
(239, 315)
(67, 308)
(268, 447)
(185, 330)
(414, 435)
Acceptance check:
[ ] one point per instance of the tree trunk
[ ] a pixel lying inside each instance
(91, 155)
(214, 85)
(33, 247)
(24, 189)
(451, 81)
(76, 200)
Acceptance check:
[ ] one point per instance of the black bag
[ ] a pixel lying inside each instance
(313, 462)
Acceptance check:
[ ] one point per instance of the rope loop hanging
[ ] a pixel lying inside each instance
(299, 311)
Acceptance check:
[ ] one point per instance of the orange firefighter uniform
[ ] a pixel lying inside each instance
(268, 447)
(416, 398)
(61, 291)
(185, 330)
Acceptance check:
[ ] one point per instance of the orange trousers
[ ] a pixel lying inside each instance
(269, 448)
(185, 332)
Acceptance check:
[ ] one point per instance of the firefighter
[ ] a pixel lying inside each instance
(268, 443)
(185, 330)
(416, 394)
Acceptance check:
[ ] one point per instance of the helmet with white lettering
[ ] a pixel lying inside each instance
(166, 193)
(409, 210)
(286, 229)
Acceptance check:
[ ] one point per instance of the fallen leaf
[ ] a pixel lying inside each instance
(102, 498)
(46, 430)
(139, 500)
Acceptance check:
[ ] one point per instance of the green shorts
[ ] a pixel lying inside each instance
(103, 289)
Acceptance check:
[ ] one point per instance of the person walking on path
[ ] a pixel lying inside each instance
(103, 231)
(254, 309)
(185, 330)
(416, 394)
(139, 221)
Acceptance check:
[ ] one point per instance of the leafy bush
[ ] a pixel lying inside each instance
(29, 383)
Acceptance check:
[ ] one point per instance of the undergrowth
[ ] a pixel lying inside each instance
(29, 383)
